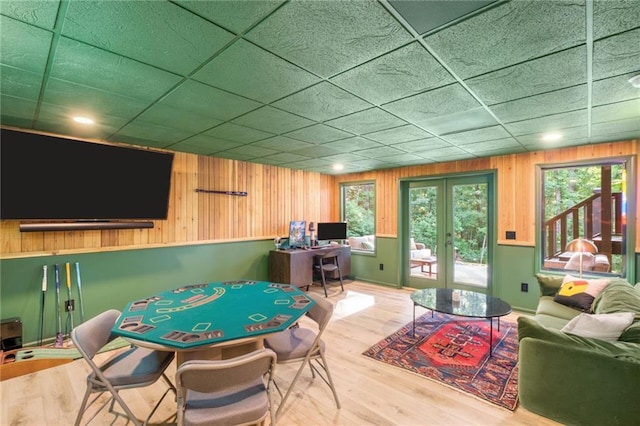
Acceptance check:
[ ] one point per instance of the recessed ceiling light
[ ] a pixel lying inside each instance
(338, 167)
(550, 137)
(635, 81)
(83, 120)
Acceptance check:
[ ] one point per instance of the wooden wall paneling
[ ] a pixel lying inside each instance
(505, 196)
(10, 239)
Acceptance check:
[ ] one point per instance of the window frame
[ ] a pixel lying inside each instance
(627, 267)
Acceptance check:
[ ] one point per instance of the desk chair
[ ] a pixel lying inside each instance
(327, 262)
(226, 392)
(303, 345)
(133, 368)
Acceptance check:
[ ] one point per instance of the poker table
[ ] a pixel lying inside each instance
(213, 320)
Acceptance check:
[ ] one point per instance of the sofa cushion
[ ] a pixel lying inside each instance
(421, 254)
(600, 326)
(619, 296)
(579, 293)
(549, 284)
(529, 327)
(546, 306)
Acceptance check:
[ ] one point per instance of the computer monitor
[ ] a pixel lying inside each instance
(332, 231)
(297, 233)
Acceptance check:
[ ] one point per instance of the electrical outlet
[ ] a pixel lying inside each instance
(510, 235)
(382, 266)
(524, 287)
(69, 305)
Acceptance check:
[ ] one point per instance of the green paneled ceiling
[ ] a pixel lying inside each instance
(307, 84)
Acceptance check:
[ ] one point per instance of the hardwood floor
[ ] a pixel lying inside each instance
(371, 393)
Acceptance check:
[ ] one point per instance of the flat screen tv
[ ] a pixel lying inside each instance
(46, 177)
(328, 231)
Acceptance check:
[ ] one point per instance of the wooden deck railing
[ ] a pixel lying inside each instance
(591, 212)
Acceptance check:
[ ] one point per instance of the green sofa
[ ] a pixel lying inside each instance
(579, 380)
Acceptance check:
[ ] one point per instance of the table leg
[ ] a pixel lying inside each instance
(491, 336)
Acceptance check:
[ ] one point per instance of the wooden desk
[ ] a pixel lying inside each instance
(295, 266)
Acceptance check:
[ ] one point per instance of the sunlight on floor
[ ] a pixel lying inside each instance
(352, 303)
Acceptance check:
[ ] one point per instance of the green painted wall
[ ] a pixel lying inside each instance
(111, 279)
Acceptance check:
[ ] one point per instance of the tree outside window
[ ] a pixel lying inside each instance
(358, 209)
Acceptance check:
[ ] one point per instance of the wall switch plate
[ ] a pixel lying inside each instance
(382, 266)
(524, 287)
(511, 235)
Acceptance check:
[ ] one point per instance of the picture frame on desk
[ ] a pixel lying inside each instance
(297, 233)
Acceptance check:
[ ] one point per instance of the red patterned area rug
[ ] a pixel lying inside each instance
(455, 351)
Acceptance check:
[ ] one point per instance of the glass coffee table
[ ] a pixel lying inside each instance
(462, 303)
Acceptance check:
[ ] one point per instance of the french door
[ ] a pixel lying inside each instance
(447, 232)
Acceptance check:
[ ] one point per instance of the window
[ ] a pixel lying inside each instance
(584, 218)
(358, 210)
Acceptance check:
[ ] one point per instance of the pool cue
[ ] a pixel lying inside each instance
(69, 304)
(80, 292)
(44, 293)
(59, 337)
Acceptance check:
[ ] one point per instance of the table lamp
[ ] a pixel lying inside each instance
(581, 246)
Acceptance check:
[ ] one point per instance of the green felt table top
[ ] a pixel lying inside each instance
(205, 314)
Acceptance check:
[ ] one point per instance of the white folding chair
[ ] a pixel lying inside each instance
(133, 368)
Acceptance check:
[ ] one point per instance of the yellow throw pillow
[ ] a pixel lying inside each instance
(579, 293)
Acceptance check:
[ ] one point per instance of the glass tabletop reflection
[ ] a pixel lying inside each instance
(461, 302)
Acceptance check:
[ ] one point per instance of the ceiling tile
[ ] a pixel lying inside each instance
(568, 134)
(614, 137)
(328, 37)
(235, 16)
(188, 148)
(163, 115)
(90, 66)
(493, 145)
(285, 157)
(318, 134)
(614, 16)
(352, 144)
(158, 136)
(249, 71)
(248, 152)
(369, 164)
(58, 119)
(157, 28)
(629, 125)
(421, 145)
(383, 151)
(309, 164)
(345, 157)
(91, 102)
(616, 55)
(548, 123)
(208, 144)
(399, 134)
(367, 121)
(511, 33)
(236, 133)
(435, 103)
(322, 102)
(564, 143)
(614, 89)
(475, 118)
(206, 100)
(564, 100)
(272, 120)
(479, 135)
(34, 45)
(425, 16)
(401, 73)
(17, 112)
(617, 111)
(445, 154)
(39, 13)
(553, 72)
(315, 151)
(20, 83)
(404, 158)
(500, 151)
(282, 143)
